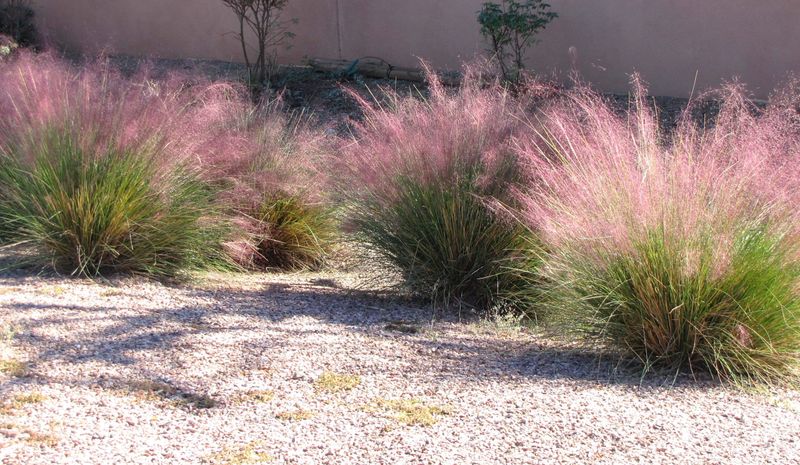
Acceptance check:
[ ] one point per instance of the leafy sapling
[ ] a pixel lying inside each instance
(511, 28)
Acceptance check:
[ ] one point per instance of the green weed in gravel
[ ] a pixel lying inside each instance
(411, 412)
(247, 454)
(336, 382)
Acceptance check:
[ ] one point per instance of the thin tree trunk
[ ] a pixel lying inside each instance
(244, 42)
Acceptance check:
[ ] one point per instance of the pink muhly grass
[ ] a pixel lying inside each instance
(434, 140)
(250, 156)
(103, 173)
(276, 190)
(172, 116)
(420, 181)
(679, 248)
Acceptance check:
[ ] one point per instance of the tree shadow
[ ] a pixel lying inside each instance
(125, 336)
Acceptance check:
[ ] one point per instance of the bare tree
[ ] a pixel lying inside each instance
(261, 19)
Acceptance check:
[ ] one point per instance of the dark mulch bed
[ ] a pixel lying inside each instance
(327, 95)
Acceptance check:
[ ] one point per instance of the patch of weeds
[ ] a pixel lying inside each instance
(55, 291)
(433, 334)
(14, 368)
(258, 396)
(156, 391)
(10, 366)
(503, 323)
(111, 292)
(295, 415)
(250, 453)
(33, 397)
(402, 326)
(335, 382)
(7, 334)
(32, 437)
(786, 404)
(410, 412)
(19, 401)
(44, 439)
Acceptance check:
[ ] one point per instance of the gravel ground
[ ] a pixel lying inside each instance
(316, 369)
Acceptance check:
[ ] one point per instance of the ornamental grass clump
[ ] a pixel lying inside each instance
(426, 183)
(105, 173)
(274, 192)
(98, 173)
(682, 249)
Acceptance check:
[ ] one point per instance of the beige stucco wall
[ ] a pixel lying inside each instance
(667, 41)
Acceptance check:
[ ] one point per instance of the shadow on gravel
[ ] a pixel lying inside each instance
(459, 351)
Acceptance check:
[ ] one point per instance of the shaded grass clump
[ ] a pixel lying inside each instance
(417, 183)
(680, 251)
(274, 192)
(99, 172)
(156, 391)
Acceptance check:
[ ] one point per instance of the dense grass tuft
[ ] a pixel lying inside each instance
(114, 212)
(680, 251)
(275, 192)
(285, 233)
(105, 173)
(99, 172)
(449, 245)
(419, 182)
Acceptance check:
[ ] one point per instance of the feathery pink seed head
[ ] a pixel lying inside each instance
(601, 182)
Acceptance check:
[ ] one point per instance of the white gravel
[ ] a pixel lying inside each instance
(513, 397)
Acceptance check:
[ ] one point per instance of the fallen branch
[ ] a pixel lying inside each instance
(378, 68)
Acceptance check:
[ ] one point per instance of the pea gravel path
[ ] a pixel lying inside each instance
(228, 369)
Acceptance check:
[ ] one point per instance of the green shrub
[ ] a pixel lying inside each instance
(18, 22)
(510, 28)
(7, 48)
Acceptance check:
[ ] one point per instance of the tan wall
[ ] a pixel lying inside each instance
(668, 41)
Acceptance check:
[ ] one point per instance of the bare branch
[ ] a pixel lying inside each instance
(262, 19)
